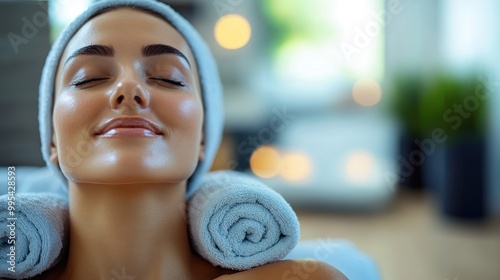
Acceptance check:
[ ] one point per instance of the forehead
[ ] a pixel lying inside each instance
(127, 29)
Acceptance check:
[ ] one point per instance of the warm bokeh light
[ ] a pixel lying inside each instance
(296, 167)
(359, 166)
(367, 92)
(265, 162)
(232, 31)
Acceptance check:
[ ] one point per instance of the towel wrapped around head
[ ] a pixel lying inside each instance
(237, 222)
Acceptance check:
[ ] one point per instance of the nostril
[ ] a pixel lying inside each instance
(138, 100)
(120, 99)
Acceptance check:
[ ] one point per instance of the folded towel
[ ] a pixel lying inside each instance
(236, 222)
(38, 222)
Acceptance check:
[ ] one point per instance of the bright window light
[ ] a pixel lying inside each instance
(62, 12)
(324, 41)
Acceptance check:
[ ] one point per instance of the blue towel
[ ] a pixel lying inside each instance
(236, 222)
(38, 222)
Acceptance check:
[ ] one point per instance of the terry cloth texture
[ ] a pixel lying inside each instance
(237, 222)
(38, 223)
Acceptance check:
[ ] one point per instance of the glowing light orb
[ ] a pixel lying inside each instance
(367, 92)
(359, 167)
(265, 162)
(296, 167)
(232, 31)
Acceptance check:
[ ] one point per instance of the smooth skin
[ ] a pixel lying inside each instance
(127, 186)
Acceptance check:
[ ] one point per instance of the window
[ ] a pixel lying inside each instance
(322, 45)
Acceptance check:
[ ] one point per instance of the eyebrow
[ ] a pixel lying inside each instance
(93, 50)
(108, 51)
(159, 49)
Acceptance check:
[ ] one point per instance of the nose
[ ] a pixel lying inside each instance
(129, 93)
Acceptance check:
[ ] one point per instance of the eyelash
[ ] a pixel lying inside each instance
(170, 81)
(82, 82)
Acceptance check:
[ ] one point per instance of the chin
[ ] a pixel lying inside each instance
(130, 171)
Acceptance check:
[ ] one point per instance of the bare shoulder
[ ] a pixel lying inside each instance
(289, 270)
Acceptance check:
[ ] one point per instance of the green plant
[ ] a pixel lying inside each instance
(454, 104)
(406, 93)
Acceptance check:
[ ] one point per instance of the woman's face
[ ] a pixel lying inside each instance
(127, 107)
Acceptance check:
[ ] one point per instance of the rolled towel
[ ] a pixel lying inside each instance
(38, 222)
(237, 222)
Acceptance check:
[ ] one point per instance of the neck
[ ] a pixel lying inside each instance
(134, 230)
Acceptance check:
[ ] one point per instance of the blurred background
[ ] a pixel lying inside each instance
(378, 120)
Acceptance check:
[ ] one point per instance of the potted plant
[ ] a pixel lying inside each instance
(406, 93)
(455, 108)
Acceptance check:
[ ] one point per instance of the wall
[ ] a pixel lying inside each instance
(24, 43)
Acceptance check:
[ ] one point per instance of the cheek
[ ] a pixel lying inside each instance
(182, 113)
(71, 116)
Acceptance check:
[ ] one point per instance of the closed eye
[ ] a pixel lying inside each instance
(82, 82)
(168, 81)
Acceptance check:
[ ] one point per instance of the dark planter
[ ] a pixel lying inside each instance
(409, 172)
(434, 170)
(463, 193)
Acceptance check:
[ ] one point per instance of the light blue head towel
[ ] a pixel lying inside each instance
(208, 75)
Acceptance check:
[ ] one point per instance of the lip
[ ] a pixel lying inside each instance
(132, 126)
